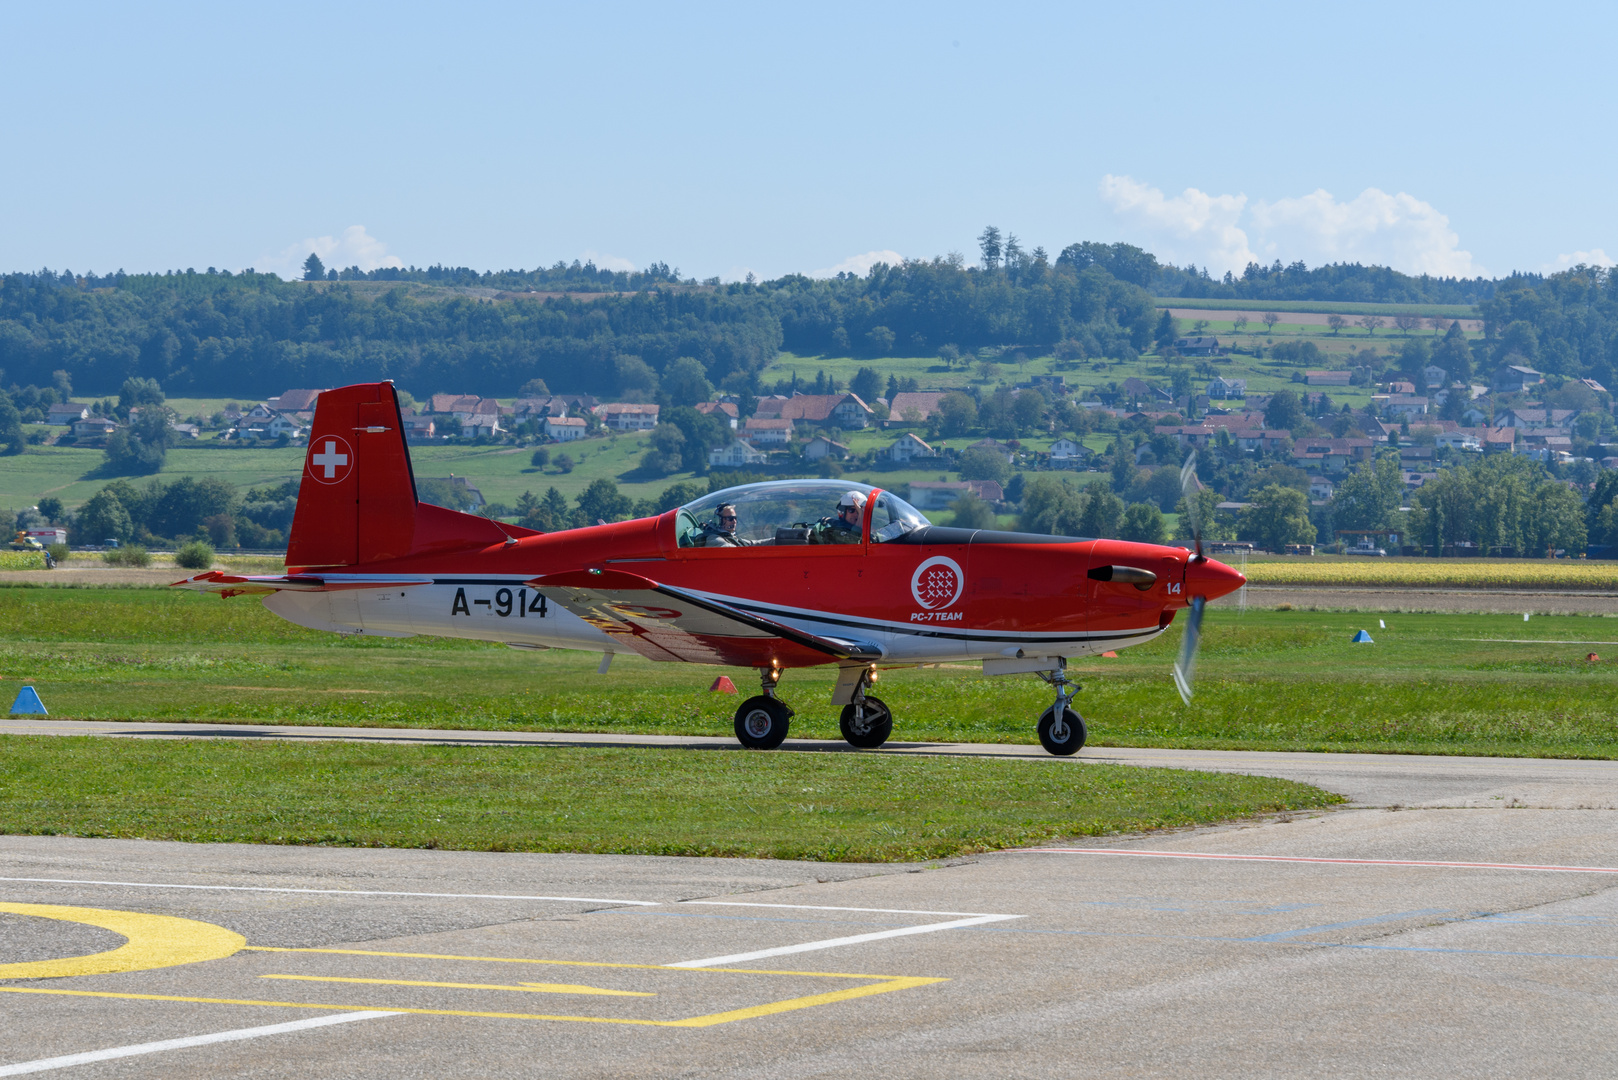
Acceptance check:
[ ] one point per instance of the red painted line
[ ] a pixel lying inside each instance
(1333, 862)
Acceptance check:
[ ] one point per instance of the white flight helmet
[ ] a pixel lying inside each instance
(855, 499)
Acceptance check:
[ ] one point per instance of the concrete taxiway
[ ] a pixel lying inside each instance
(1459, 918)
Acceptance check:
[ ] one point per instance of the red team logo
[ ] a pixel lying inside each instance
(330, 459)
(937, 583)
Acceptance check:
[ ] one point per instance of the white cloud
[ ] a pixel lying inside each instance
(859, 264)
(1190, 227)
(1593, 257)
(608, 262)
(355, 247)
(1400, 231)
(1226, 232)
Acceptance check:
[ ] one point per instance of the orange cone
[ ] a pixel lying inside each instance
(722, 685)
(1109, 656)
(1592, 656)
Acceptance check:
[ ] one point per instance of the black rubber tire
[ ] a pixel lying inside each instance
(874, 731)
(1075, 732)
(761, 723)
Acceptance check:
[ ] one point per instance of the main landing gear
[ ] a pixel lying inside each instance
(1061, 729)
(761, 722)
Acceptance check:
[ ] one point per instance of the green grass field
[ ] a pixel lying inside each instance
(1270, 680)
(834, 807)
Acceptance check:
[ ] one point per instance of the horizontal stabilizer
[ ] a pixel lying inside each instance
(662, 622)
(217, 581)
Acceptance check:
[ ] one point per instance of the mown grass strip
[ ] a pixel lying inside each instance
(829, 807)
(1441, 573)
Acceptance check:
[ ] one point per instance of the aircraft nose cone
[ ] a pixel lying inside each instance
(1212, 579)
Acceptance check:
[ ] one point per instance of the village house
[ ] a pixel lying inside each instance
(1321, 488)
(845, 411)
(537, 408)
(939, 494)
(1515, 379)
(293, 401)
(913, 406)
(93, 427)
(821, 447)
(481, 424)
(628, 415)
(767, 432)
(1261, 439)
(1066, 453)
(1327, 378)
(909, 447)
(1333, 455)
(735, 455)
(1406, 405)
(1189, 436)
(1199, 345)
(1221, 388)
(1434, 376)
(418, 428)
(725, 410)
(565, 428)
(1535, 418)
(66, 412)
(1458, 440)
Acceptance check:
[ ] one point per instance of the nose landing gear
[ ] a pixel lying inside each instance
(866, 721)
(762, 721)
(1061, 729)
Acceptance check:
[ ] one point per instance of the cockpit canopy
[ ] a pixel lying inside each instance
(765, 507)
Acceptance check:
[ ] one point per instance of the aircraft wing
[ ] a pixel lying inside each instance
(227, 585)
(662, 622)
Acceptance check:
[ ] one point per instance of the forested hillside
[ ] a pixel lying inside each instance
(247, 334)
(452, 328)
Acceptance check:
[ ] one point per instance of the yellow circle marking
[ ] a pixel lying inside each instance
(155, 941)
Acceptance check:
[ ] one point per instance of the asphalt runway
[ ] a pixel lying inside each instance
(1457, 920)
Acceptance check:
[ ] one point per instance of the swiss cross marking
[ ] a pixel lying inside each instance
(330, 459)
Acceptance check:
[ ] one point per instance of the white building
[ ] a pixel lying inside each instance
(564, 428)
(735, 454)
(628, 416)
(1066, 451)
(768, 431)
(908, 447)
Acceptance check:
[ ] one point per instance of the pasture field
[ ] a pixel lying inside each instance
(1267, 680)
(829, 807)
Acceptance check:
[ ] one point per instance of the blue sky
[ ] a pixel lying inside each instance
(726, 138)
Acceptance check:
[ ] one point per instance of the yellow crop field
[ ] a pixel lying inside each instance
(22, 560)
(1459, 574)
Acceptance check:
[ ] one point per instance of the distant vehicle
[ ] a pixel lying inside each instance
(1365, 547)
(23, 542)
(111, 543)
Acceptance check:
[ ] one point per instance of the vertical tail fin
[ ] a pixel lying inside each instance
(357, 499)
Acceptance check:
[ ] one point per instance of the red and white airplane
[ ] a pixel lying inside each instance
(366, 557)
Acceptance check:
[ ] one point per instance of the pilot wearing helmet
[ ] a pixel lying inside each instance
(844, 528)
(722, 531)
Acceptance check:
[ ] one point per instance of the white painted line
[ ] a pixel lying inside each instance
(69, 1060)
(332, 892)
(833, 943)
(1332, 862)
(823, 907)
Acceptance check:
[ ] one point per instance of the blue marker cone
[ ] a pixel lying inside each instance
(28, 702)
(1362, 638)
